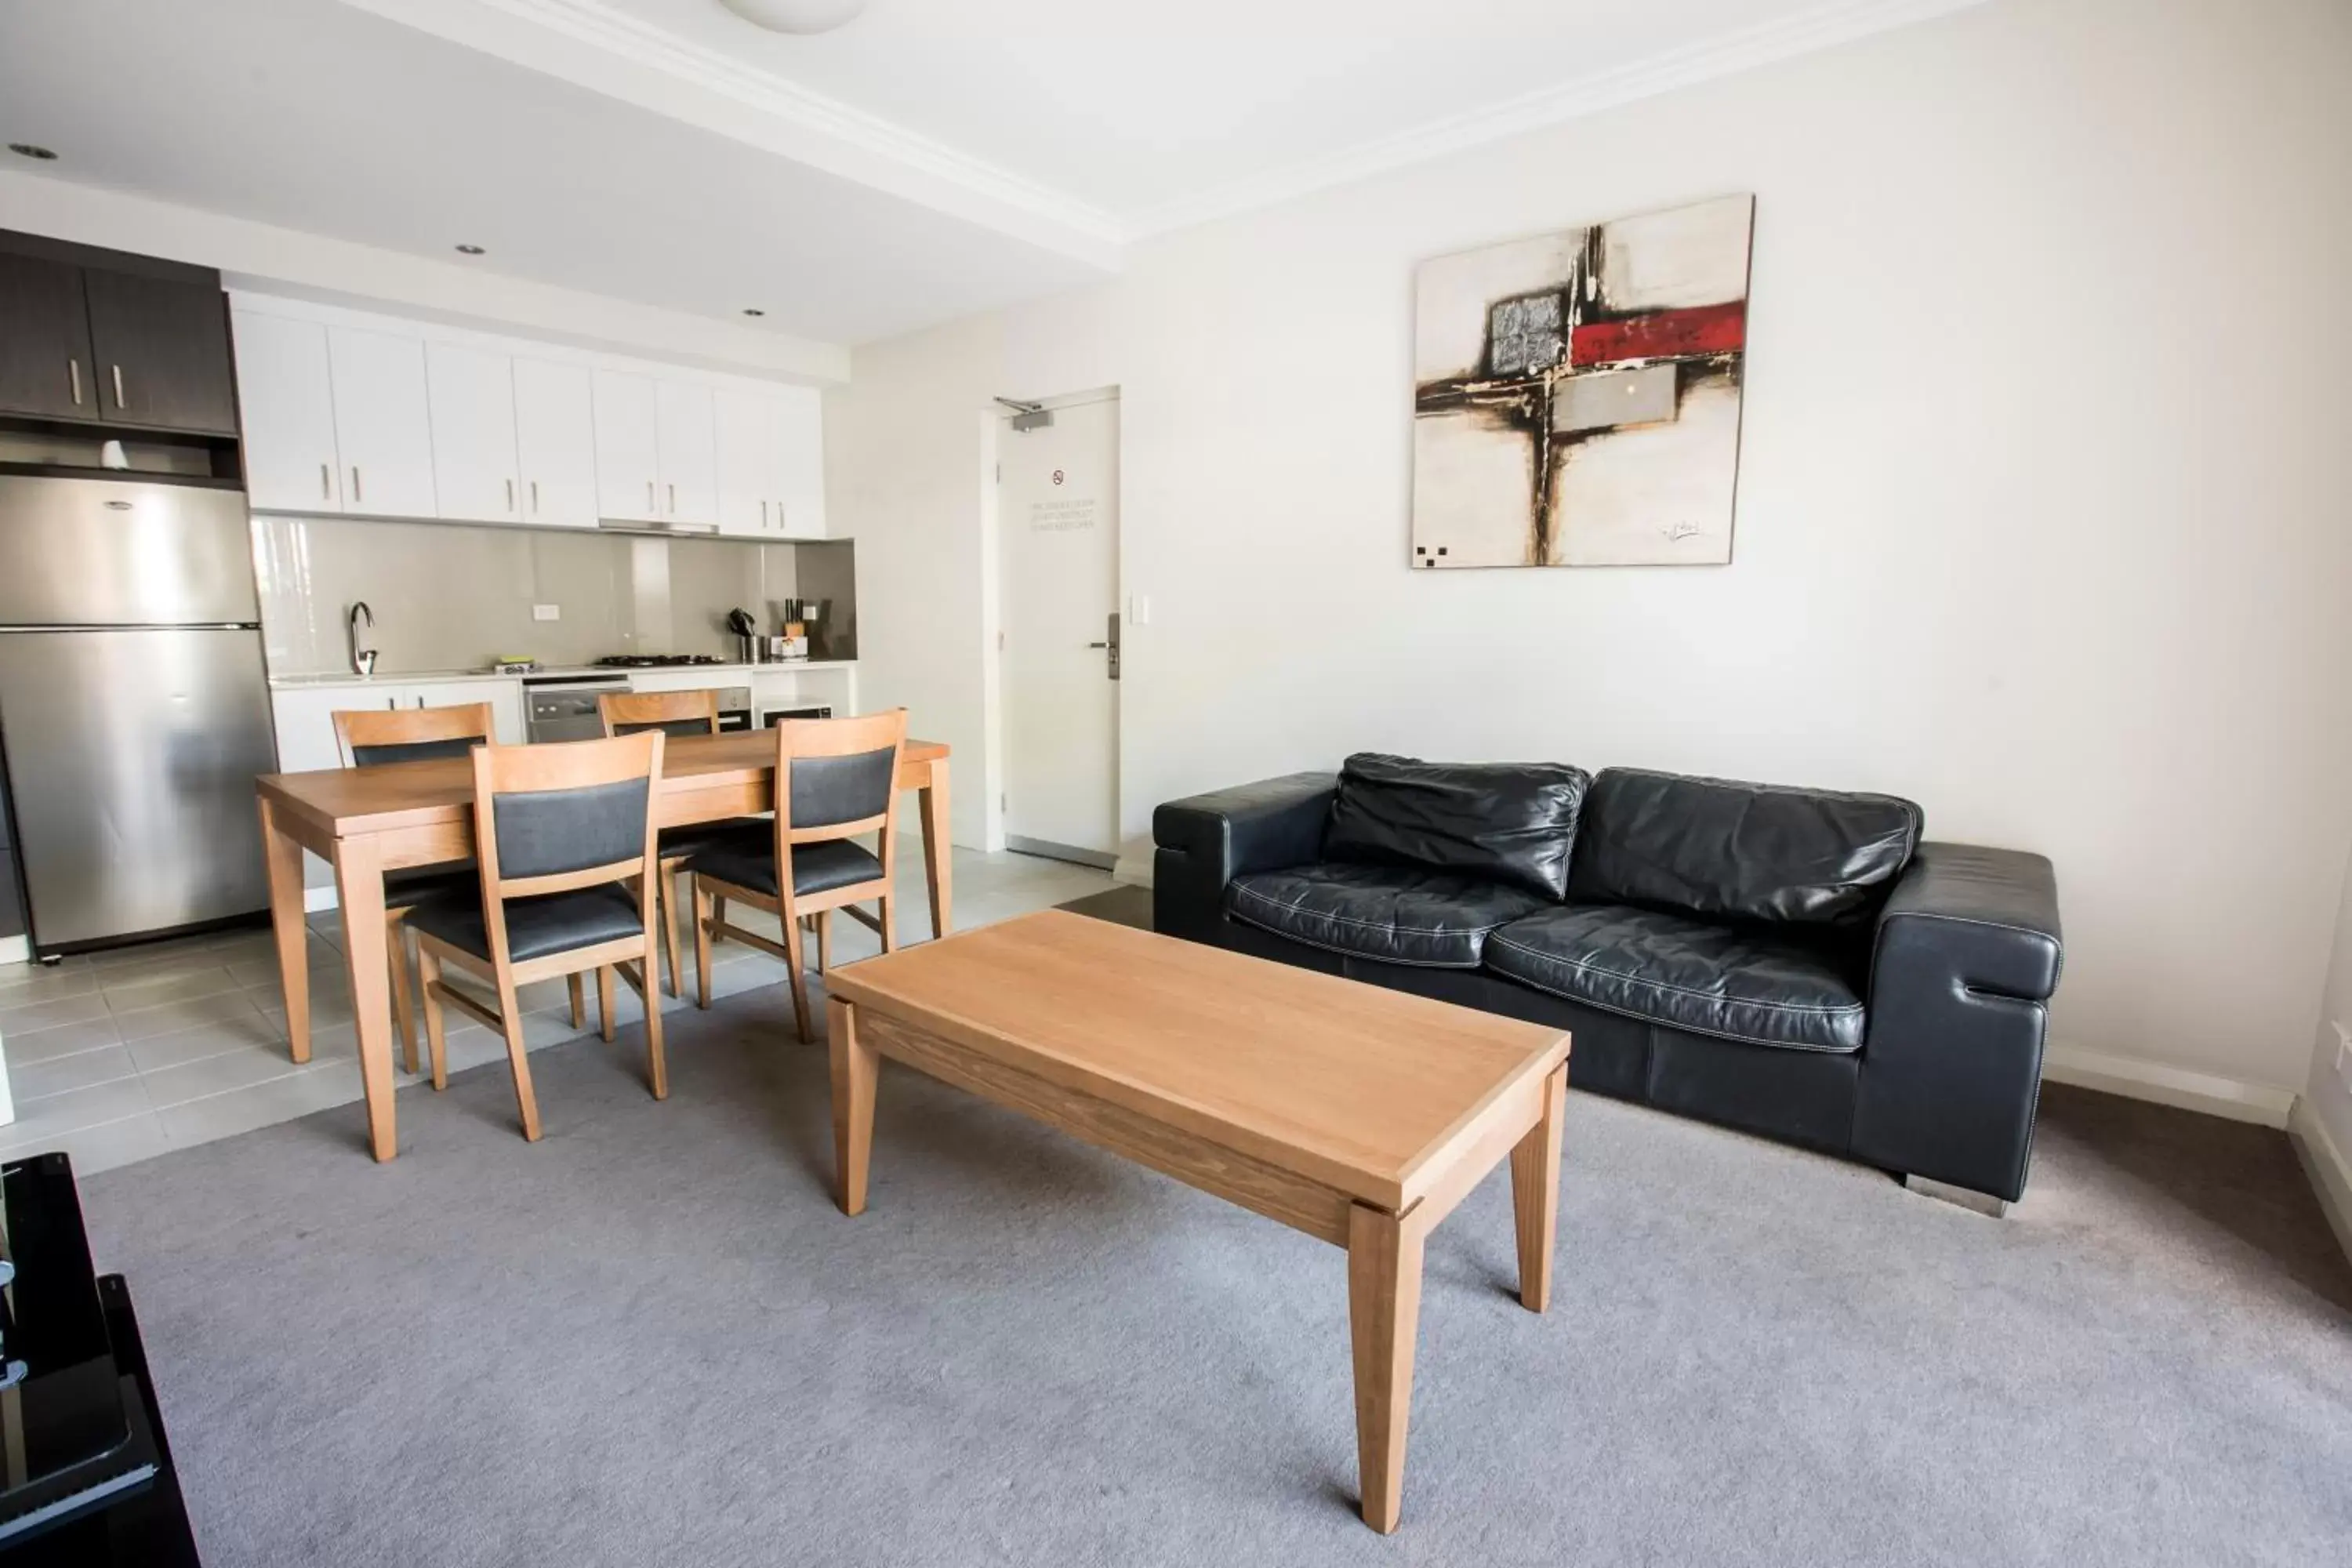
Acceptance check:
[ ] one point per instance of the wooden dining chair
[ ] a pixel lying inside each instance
(675, 715)
(371, 737)
(564, 841)
(836, 778)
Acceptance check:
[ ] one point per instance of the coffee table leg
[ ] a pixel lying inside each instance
(855, 1066)
(1384, 1314)
(1535, 1193)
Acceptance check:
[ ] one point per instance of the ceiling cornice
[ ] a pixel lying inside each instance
(1726, 55)
(857, 145)
(813, 129)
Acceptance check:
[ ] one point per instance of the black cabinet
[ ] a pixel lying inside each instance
(104, 337)
(44, 363)
(161, 349)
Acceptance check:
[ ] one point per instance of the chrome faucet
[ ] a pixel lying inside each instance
(363, 658)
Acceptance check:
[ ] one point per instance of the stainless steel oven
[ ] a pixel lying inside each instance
(775, 714)
(563, 706)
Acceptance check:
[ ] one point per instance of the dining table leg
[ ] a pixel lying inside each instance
(358, 888)
(937, 848)
(290, 924)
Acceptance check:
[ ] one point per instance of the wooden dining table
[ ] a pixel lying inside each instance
(365, 822)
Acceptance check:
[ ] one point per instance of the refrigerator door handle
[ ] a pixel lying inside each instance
(131, 627)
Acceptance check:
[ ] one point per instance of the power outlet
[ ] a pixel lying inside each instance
(547, 612)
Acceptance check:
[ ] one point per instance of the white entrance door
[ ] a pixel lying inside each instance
(1057, 519)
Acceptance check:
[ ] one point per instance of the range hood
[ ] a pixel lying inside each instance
(663, 529)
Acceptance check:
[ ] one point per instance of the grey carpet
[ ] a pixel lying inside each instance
(651, 1339)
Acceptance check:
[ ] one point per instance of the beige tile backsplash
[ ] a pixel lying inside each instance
(447, 596)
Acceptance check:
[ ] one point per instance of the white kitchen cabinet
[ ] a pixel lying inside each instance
(687, 438)
(286, 398)
(555, 442)
(771, 463)
(800, 462)
(748, 487)
(470, 395)
(628, 447)
(383, 430)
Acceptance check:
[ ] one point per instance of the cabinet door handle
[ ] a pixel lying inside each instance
(534, 496)
(326, 483)
(649, 495)
(764, 514)
(73, 371)
(356, 497)
(673, 500)
(392, 702)
(121, 403)
(510, 495)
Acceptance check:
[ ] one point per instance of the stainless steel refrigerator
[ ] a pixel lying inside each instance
(134, 705)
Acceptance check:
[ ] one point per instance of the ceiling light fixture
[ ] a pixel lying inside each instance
(795, 16)
(26, 149)
(470, 250)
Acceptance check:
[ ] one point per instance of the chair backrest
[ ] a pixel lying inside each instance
(554, 817)
(837, 778)
(672, 713)
(367, 736)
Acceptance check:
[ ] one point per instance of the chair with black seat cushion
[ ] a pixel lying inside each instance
(565, 844)
(836, 778)
(676, 714)
(372, 737)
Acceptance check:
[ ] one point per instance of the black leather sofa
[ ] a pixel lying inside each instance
(1793, 962)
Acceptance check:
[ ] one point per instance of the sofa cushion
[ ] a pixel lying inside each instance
(1396, 914)
(1709, 979)
(1723, 850)
(1503, 821)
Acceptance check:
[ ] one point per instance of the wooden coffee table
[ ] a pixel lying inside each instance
(1354, 1113)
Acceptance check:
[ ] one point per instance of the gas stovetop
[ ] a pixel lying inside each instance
(653, 660)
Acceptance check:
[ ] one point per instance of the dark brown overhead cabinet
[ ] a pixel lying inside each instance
(105, 337)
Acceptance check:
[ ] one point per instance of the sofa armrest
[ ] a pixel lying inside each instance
(1203, 842)
(1967, 957)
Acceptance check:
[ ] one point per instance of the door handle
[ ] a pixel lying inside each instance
(121, 403)
(73, 371)
(1110, 645)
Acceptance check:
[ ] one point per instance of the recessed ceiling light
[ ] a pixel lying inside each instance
(753, 311)
(796, 16)
(470, 250)
(26, 149)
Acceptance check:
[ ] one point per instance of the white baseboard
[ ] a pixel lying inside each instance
(2261, 1103)
(16, 949)
(2325, 1163)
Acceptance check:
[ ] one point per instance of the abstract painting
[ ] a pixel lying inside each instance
(1576, 399)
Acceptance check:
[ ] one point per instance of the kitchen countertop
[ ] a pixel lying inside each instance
(736, 672)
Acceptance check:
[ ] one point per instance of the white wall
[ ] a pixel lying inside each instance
(2328, 1098)
(2040, 518)
(339, 272)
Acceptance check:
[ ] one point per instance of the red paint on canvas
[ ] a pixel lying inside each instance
(1661, 334)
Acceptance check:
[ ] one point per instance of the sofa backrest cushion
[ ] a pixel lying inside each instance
(1509, 822)
(1723, 850)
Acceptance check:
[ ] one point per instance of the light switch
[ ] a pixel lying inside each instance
(547, 612)
(1139, 610)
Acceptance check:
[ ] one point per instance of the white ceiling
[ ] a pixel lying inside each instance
(930, 158)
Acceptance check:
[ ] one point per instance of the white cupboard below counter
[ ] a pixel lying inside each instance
(377, 417)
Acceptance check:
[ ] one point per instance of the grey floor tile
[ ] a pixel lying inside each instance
(185, 986)
(36, 1016)
(99, 1148)
(277, 1099)
(82, 1070)
(213, 1037)
(233, 1006)
(22, 984)
(78, 1107)
(208, 1076)
(43, 1045)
